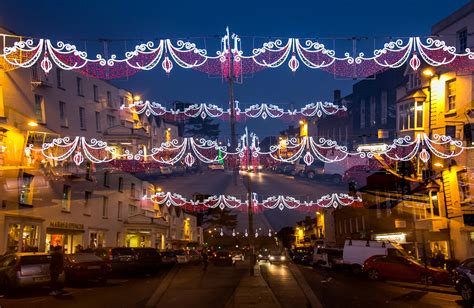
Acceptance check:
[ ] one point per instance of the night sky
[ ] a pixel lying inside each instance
(75, 21)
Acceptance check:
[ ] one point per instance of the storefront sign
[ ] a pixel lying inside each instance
(392, 237)
(66, 225)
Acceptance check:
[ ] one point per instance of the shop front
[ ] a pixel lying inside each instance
(97, 238)
(143, 231)
(68, 235)
(22, 234)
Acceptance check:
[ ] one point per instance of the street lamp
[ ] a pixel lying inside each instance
(32, 124)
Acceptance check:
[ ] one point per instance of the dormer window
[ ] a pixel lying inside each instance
(414, 80)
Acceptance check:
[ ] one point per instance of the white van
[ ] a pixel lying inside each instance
(357, 251)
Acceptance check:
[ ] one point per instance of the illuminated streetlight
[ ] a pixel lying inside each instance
(428, 72)
(32, 124)
(136, 98)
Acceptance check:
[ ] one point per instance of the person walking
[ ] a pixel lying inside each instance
(56, 267)
(205, 259)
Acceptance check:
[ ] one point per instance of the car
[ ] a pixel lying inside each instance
(277, 256)
(80, 267)
(195, 168)
(222, 257)
(120, 259)
(237, 256)
(355, 252)
(217, 167)
(21, 270)
(148, 259)
(181, 256)
(263, 255)
(166, 170)
(464, 279)
(194, 256)
(280, 168)
(168, 258)
(327, 257)
(404, 269)
(178, 169)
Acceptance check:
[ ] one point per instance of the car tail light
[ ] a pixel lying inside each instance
(111, 257)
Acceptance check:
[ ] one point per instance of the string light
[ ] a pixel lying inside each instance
(272, 54)
(254, 111)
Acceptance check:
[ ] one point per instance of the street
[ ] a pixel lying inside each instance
(265, 184)
(133, 291)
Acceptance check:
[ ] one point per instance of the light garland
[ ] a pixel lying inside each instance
(209, 151)
(253, 111)
(280, 202)
(272, 54)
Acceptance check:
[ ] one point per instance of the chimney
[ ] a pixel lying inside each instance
(337, 96)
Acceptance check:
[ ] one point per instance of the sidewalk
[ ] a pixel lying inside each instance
(422, 287)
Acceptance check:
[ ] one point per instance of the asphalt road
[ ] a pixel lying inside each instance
(338, 289)
(265, 184)
(118, 292)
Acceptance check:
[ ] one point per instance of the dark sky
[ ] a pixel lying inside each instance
(77, 20)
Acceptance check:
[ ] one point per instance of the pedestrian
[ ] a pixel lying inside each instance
(205, 259)
(56, 267)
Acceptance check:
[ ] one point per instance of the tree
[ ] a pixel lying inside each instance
(217, 218)
(286, 236)
(204, 128)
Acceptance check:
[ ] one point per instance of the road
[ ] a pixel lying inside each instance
(118, 292)
(338, 289)
(265, 184)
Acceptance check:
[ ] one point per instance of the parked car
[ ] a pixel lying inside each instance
(166, 170)
(148, 259)
(195, 168)
(355, 252)
(222, 257)
(120, 259)
(404, 269)
(280, 168)
(194, 256)
(81, 267)
(178, 169)
(277, 257)
(464, 280)
(303, 170)
(237, 256)
(328, 257)
(19, 270)
(168, 258)
(216, 167)
(181, 256)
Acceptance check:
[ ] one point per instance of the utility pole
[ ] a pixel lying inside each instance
(250, 210)
(232, 108)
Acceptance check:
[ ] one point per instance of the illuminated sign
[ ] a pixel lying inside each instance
(392, 237)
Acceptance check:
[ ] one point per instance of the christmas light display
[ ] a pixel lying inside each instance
(254, 111)
(209, 151)
(230, 59)
(280, 202)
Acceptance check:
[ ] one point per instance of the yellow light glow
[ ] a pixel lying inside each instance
(428, 72)
(440, 165)
(301, 122)
(136, 98)
(32, 124)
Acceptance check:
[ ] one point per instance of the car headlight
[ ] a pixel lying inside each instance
(283, 258)
(260, 167)
(272, 258)
(260, 256)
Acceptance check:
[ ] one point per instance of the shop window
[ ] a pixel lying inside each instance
(30, 238)
(13, 240)
(66, 198)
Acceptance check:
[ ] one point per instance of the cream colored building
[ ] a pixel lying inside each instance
(45, 202)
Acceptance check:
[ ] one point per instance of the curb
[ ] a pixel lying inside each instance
(308, 292)
(164, 285)
(423, 287)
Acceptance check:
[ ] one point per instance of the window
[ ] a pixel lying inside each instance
(105, 206)
(372, 111)
(59, 78)
(26, 193)
(110, 121)
(119, 210)
(66, 199)
(132, 190)
(414, 80)
(106, 179)
(120, 184)
(62, 114)
(109, 99)
(131, 209)
(362, 113)
(95, 90)
(463, 183)
(87, 201)
(82, 117)
(383, 107)
(122, 101)
(79, 86)
(410, 115)
(451, 131)
(39, 108)
(97, 121)
(451, 94)
(461, 37)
